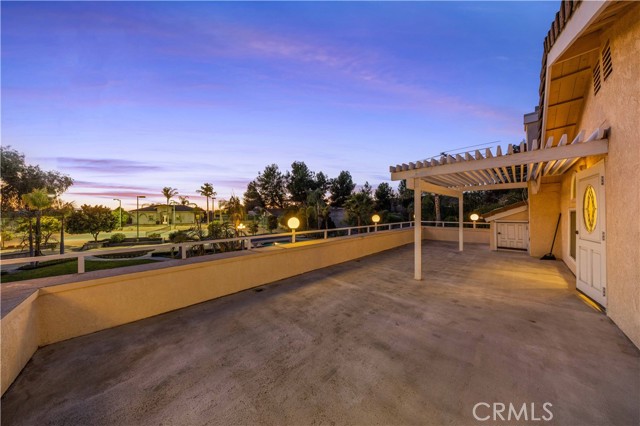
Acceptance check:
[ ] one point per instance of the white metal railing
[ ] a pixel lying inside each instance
(246, 242)
(449, 224)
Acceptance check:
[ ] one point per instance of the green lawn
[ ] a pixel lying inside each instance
(71, 268)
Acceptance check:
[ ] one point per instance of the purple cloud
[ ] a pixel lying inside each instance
(106, 165)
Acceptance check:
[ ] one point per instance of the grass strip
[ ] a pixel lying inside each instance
(71, 268)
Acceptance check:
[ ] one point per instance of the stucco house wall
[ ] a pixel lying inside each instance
(544, 208)
(157, 216)
(617, 104)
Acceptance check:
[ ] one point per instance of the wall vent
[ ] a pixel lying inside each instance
(607, 66)
(596, 78)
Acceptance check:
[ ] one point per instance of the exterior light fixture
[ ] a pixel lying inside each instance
(240, 227)
(293, 223)
(474, 217)
(375, 219)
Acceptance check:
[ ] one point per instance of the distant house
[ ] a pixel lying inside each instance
(161, 214)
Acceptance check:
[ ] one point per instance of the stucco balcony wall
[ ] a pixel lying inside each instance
(471, 235)
(96, 302)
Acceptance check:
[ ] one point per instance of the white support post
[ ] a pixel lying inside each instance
(183, 252)
(461, 223)
(81, 264)
(417, 229)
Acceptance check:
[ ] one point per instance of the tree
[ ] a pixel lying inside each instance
(206, 190)
(272, 223)
(316, 200)
(92, 220)
(235, 210)
(366, 188)
(5, 235)
(19, 178)
(405, 200)
(359, 207)
(49, 226)
(63, 210)
(300, 181)
(184, 200)
(254, 228)
(252, 197)
(37, 200)
(322, 183)
(384, 197)
(271, 185)
(120, 212)
(436, 203)
(169, 193)
(341, 188)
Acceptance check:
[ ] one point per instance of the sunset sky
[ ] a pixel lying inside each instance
(129, 97)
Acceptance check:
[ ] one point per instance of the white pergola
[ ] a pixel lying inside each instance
(474, 171)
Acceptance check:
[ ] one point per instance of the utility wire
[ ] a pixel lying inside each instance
(462, 149)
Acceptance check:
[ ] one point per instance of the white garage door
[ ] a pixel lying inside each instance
(513, 235)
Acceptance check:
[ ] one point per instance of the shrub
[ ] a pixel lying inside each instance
(155, 235)
(117, 238)
(272, 223)
(179, 237)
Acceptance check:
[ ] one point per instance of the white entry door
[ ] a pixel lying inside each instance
(591, 251)
(513, 235)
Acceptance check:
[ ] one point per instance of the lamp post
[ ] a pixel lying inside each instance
(120, 209)
(375, 219)
(474, 217)
(240, 228)
(138, 216)
(293, 223)
(173, 220)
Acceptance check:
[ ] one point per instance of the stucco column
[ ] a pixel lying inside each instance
(417, 229)
(461, 223)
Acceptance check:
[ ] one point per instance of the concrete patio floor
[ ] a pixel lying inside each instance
(359, 343)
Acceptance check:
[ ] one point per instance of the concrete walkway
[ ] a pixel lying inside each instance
(359, 343)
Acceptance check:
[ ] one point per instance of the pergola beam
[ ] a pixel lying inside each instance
(595, 147)
(434, 189)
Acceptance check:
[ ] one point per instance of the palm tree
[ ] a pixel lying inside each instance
(36, 200)
(169, 193)
(184, 200)
(359, 206)
(64, 209)
(206, 190)
(316, 200)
